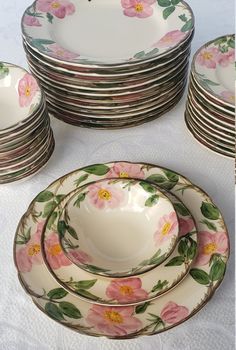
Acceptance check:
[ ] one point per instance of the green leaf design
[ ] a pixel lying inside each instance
(140, 309)
(84, 284)
(99, 169)
(51, 220)
(217, 270)
(166, 183)
(183, 18)
(152, 52)
(200, 276)
(175, 2)
(151, 201)
(59, 198)
(96, 269)
(80, 199)
(53, 311)
(192, 250)
(231, 43)
(183, 247)
(61, 228)
(50, 17)
(168, 11)
(49, 208)
(187, 26)
(139, 55)
(70, 310)
(164, 3)
(157, 179)
(176, 261)
(155, 258)
(24, 237)
(86, 294)
(210, 211)
(171, 176)
(147, 187)
(209, 224)
(181, 209)
(40, 43)
(159, 286)
(57, 293)
(81, 179)
(4, 71)
(72, 232)
(44, 196)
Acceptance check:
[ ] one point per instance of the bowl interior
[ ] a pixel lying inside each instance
(118, 227)
(20, 95)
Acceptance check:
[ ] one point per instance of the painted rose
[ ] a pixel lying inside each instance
(30, 254)
(27, 89)
(58, 52)
(78, 256)
(167, 226)
(174, 313)
(208, 57)
(126, 290)
(124, 170)
(138, 8)
(185, 226)
(209, 244)
(58, 8)
(170, 39)
(55, 255)
(31, 21)
(227, 58)
(103, 195)
(113, 321)
(228, 96)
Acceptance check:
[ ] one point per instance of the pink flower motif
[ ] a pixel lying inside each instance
(58, 8)
(30, 254)
(209, 244)
(54, 253)
(31, 21)
(170, 39)
(27, 89)
(58, 52)
(208, 57)
(113, 321)
(103, 195)
(138, 8)
(227, 58)
(228, 96)
(124, 170)
(185, 226)
(126, 290)
(79, 257)
(174, 313)
(167, 226)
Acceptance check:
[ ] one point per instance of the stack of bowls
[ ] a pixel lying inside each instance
(121, 250)
(130, 68)
(210, 112)
(26, 139)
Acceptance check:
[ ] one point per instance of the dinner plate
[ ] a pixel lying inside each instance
(117, 322)
(49, 28)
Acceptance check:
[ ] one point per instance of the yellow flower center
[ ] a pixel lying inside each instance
(34, 250)
(123, 174)
(210, 248)
(55, 250)
(166, 229)
(139, 7)
(27, 91)
(104, 195)
(207, 55)
(232, 98)
(56, 5)
(126, 290)
(113, 317)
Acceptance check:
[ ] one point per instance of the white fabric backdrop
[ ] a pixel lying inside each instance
(165, 142)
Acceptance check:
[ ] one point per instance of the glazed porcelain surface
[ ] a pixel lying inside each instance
(119, 322)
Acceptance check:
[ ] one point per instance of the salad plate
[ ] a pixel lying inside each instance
(49, 27)
(122, 322)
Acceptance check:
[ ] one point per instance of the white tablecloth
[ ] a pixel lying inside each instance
(165, 142)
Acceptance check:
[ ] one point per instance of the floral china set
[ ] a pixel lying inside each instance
(121, 250)
(210, 111)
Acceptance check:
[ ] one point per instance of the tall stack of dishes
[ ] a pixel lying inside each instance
(210, 111)
(111, 64)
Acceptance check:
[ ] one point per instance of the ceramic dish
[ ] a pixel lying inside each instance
(117, 322)
(213, 68)
(159, 29)
(101, 290)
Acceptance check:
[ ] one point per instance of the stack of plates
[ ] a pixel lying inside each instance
(210, 113)
(121, 250)
(26, 139)
(109, 65)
